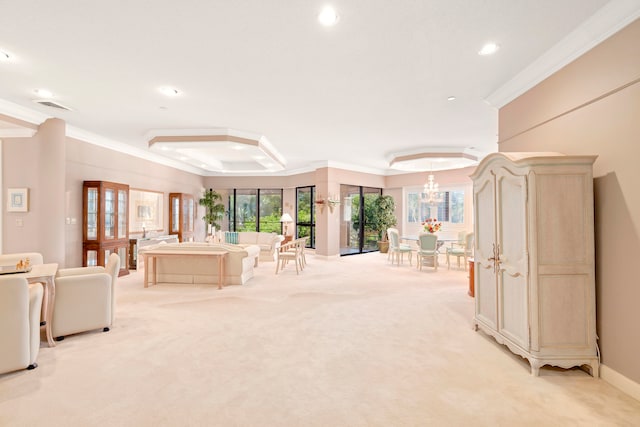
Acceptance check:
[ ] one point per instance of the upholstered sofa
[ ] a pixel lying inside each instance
(268, 242)
(238, 267)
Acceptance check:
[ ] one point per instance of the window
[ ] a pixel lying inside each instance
(255, 210)
(306, 215)
(450, 209)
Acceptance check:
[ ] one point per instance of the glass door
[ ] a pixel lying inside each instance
(306, 214)
(356, 233)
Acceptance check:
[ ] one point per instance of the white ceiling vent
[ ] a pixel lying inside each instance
(52, 104)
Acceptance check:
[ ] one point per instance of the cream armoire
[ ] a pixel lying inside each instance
(534, 257)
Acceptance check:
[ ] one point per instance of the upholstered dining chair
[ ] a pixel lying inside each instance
(428, 248)
(397, 249)
(20, 305)
(85, 298)
(465, 251)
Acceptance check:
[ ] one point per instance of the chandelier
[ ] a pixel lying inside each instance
(431, 195)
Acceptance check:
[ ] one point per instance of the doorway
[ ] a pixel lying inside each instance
(356, 234)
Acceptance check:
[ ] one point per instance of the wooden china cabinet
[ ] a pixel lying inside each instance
(182, 215)
(105, 223)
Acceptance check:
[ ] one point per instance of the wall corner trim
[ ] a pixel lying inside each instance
(620, 382)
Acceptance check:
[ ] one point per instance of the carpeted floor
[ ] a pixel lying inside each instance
(348, 342)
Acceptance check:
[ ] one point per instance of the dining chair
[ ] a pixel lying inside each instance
(291, 251)
(428, 248)
(397, 249)
(465, 251)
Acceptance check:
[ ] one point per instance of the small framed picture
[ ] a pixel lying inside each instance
(18, 200)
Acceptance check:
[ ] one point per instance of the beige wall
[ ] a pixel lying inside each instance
(592, 106)
(90, 162)
(38, 164)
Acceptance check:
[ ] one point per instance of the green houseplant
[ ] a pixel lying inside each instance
(214, 209)
(383, 217)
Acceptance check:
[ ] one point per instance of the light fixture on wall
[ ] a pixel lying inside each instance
(285, 219)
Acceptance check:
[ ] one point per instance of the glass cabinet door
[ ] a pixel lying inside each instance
(109, 214)
(122, 214)
(92, 213)
(175, 214)
(188, 215)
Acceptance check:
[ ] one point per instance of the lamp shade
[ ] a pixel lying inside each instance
(286, 218)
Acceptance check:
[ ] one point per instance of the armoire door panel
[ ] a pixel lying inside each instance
(484, 213)
(514, 308)
(561, 212)
(565, 319)
(486, 295)
(511, 201)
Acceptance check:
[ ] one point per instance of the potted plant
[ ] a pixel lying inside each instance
(383, 217)
(214, 209)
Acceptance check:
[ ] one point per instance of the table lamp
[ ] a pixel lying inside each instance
(286, 219)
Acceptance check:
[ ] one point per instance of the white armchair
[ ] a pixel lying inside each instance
(20, 305)
(85, 298)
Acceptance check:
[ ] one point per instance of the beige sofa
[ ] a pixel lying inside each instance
(238, 267)
(268, 242)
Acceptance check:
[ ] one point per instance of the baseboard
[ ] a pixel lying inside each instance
(326, 257)
(619, 381)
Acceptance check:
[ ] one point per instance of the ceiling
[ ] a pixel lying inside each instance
(361, 94)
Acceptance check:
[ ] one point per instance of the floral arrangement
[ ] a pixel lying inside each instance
(431, 225)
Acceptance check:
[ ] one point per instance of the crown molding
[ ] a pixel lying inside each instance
(101, 141)
(22, 113)
(607, 21)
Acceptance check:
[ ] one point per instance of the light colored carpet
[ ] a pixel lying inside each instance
(348, 342)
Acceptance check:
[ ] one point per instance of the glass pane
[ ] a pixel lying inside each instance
(306, 214)
(175, 218)
(122, 214)
(413, 207)
(187, 220)
(350, 220)
(109, 214)
(232, 213)
(92, 258)
(304, 206)
(122, 253)
(443, 207)
(192, 214)
(92, 213)
(457, 207)
(370, 234)
(107, 252)
(246, 205)
(270, 211)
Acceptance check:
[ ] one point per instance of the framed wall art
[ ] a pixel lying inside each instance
(18, 200)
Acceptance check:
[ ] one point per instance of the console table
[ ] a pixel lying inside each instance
(152, 255)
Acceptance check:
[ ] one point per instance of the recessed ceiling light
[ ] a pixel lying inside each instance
(43, 93)
(238, 147)
(4, 56)
(169, 91)
(488, 49)
(451, 98)
(328, 16)
(184, 158)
